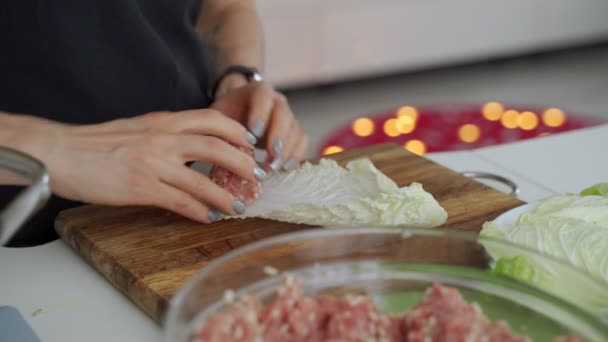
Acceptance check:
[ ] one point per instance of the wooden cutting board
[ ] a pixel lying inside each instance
(148, 253)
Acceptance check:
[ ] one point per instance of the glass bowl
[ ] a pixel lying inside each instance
(394, 267)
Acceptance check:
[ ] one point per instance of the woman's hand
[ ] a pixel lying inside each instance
(141, 161)
(267, 114)
(233, 33)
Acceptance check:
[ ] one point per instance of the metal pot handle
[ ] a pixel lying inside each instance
(28, 201)
(486, 175)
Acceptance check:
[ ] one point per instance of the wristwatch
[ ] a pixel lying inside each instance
(251, 74)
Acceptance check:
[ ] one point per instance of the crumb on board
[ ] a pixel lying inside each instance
(229, 296)
(270, 271)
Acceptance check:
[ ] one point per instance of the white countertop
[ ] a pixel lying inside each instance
(64, 299)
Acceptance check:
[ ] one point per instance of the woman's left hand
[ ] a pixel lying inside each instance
(266, 113)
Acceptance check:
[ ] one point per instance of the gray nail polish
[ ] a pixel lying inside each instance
(213, 216)
(258, 173)
(277, 146)
(275, 163)
(258, 128)
(239, 207)
(289, 164)
(251, 138)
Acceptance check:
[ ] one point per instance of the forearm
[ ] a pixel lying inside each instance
(7, 139)
(233, 34)
(24, 134)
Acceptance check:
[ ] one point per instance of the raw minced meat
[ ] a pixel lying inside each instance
(243, 189)
(444, 316)
(291, 316)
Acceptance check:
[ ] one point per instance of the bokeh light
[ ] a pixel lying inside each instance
(492, 111)
(363, 127)
(509, 118)
(554, 117)
(527, 121)
(390, 127)
(416, 146)
(408, 111)
(447, 127)
(332, 149)
(469, 133)
(406, 125)
(406, 119)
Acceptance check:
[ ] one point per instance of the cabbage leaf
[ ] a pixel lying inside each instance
(571, 228)
(326, 194)
(599, 189)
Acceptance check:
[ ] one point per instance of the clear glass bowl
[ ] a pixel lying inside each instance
(392, 266)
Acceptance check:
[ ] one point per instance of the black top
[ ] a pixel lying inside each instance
(82, 62)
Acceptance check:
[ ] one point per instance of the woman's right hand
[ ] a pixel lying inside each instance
(141, 160)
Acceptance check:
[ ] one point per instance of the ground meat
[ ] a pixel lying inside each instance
(245, 190)
(238, 323)
(291, 316)
(444, 316)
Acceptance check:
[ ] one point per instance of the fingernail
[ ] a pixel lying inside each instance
(289, 164)
(258, 173)
(251, 138)
(213, 216)
(239, 207)
(275, 163)
(258, 128)
(277, 147)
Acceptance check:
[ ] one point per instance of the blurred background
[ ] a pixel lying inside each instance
(438, 75)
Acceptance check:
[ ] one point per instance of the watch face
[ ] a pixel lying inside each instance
(256, 76)
(251, 74)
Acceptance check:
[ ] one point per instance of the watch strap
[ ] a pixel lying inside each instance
(251, 74)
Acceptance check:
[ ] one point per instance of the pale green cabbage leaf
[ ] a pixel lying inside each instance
(571, 228)
(328, 195)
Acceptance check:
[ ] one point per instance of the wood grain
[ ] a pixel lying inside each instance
(148, 253)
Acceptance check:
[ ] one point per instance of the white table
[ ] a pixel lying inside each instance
(64, 299)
